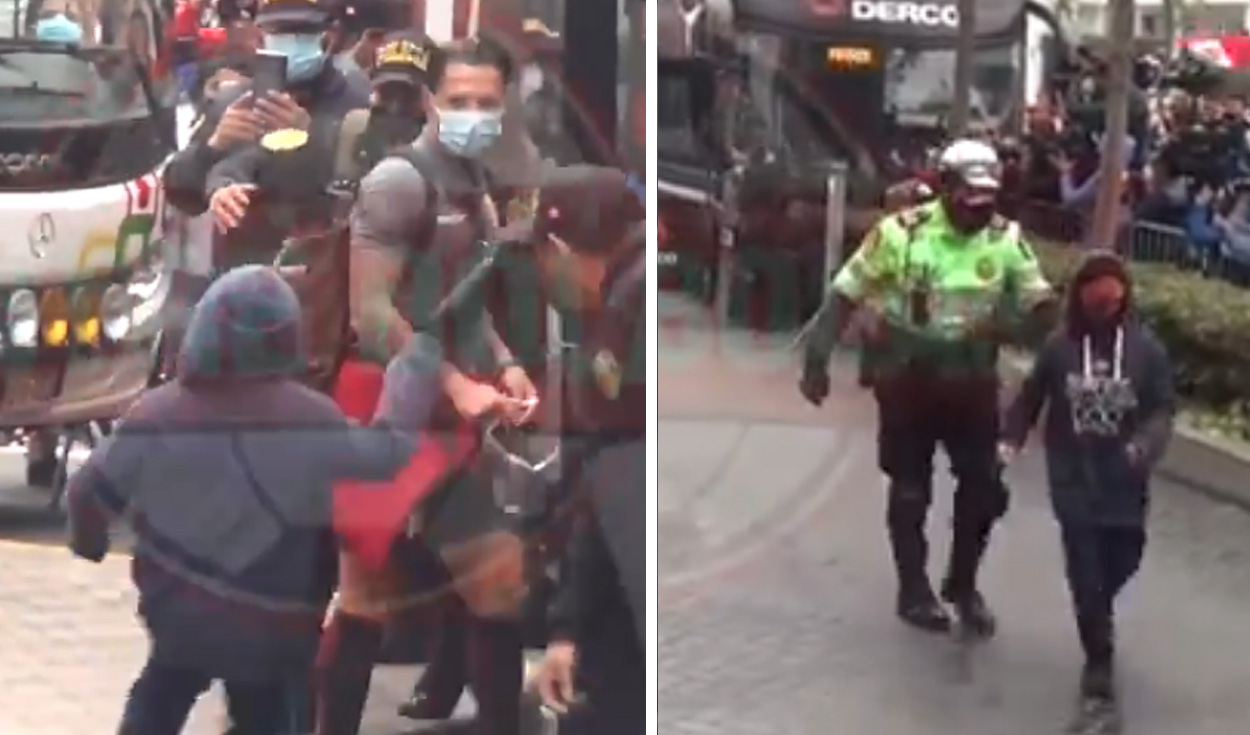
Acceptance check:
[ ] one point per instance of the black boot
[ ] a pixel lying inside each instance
(975, 616)
(496, 659)
(919, 607)
(916, 605)
(968, 545)
(349, 648)
(441, 684)
(1098, 711)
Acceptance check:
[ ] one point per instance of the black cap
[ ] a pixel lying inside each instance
(404, 58)
(592, 208)
(303, 12)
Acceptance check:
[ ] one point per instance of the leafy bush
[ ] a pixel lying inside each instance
(1204, 323)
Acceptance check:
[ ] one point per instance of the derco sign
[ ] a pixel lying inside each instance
(931, 15)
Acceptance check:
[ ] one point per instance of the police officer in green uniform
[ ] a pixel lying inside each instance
(932, 293)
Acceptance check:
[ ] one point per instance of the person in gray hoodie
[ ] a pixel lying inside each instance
(226, 475)
(1108, 384)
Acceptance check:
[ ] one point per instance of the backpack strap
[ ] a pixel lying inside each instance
(433, 193)
(346, 150)
(429, 215)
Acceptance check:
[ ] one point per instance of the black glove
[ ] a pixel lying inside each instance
(814, 385)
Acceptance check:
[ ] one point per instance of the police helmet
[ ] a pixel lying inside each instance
(970, 163)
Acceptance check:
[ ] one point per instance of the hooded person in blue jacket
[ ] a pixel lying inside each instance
(227, 475)
(1107, 383)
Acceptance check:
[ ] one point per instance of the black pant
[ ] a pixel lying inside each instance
(918, 413)
(485, 655)
(1099, 561)
(162, 697)
(612, 674)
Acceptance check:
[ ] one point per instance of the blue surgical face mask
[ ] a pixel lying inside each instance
(58, 29)
(469, 132)
(303, 52)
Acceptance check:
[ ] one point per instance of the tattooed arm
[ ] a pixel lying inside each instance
(383, 223)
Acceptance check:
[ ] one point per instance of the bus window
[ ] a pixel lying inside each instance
(919, 84)
(792, 104)
(682, 113)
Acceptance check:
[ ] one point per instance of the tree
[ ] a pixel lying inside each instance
(1106, 221)
(965, 49)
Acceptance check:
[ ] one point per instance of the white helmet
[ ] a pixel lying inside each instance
(973, 161)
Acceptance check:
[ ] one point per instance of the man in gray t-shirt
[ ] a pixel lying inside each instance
(404, 260)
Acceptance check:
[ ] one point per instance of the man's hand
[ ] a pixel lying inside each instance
(1007, 453)
(516, 383)
(229, 204)
(277, 111)
(239, 124)
(475, 401)
(555, 679)
(814, 384)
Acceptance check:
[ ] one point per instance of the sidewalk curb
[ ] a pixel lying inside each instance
(1212, 466)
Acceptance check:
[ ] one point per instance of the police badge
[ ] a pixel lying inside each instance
(607, 373)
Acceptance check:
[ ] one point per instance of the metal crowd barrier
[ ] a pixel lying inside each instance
(1139, 241)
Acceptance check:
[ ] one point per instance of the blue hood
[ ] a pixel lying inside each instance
(246, 326)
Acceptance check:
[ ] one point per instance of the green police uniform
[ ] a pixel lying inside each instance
(945, 300)
(937, 289)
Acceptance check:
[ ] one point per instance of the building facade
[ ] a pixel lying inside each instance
(1090, 17)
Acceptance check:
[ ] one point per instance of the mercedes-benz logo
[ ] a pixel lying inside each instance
(41, 234)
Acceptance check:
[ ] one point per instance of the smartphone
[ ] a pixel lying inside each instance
(268, 73)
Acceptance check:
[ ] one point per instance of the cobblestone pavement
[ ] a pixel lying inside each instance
(776, 591)
(70, 644)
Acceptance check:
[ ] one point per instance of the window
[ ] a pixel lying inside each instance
(783, 106)
(678, 118)
(919, 85)
(54, 87)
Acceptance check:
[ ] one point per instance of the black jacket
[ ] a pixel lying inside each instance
(601, 595)
(328, 98)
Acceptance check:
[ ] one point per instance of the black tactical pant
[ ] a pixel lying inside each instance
(918, 412)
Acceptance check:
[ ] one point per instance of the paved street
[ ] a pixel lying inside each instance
(69, 641)
(776, 591)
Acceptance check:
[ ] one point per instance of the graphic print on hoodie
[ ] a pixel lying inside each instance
(1107, 385)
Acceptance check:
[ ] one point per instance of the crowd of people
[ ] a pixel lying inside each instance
(316, 467)
(1188, 179)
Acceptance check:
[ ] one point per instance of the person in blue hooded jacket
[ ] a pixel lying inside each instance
(227, 476)
(1108, 384)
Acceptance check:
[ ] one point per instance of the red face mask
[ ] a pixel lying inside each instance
(1103, 297)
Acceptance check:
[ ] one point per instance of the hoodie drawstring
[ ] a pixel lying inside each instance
(1117, 357)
